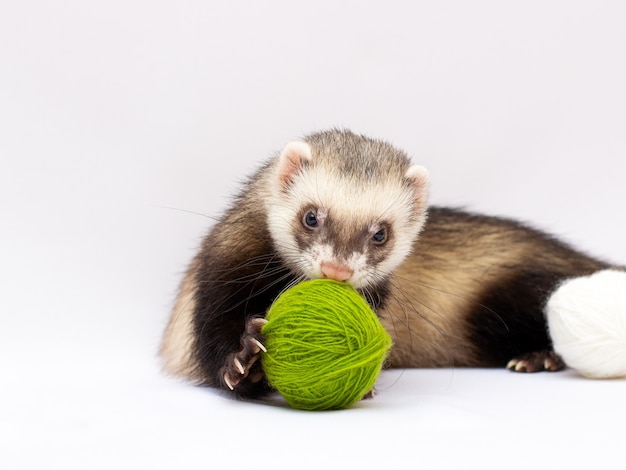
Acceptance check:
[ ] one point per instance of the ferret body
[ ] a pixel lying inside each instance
(453, 289)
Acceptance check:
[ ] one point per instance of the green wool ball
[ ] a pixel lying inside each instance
(325, 345)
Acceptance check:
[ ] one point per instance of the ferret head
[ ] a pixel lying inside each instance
(345, 207)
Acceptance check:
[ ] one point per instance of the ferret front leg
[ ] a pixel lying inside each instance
(538, 361)
(242, 364)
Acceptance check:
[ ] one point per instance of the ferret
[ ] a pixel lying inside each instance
(452, 288)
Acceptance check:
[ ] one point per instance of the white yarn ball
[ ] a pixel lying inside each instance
(587, 324)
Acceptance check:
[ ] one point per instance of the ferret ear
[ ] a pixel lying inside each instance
(419, 179)
(292, 158)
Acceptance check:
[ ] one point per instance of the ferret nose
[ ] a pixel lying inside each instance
(337, 272)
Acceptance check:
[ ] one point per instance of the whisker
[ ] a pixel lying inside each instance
(224, 305)
(262, 260)
(452, 294)
(280, 279)
(211, 217)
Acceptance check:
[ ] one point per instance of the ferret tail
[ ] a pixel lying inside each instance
(587, 323)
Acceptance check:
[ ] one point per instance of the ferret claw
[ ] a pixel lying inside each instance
(536, 362)
(369, 395)
(259, 344)
(239, 366)
(227, 382)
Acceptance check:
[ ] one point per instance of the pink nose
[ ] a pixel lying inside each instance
(336, 271)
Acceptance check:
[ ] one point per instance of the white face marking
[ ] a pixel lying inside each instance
(286, 222)
(318, 254)
(355, 210)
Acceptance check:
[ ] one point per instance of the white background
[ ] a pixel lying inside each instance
(116, 117)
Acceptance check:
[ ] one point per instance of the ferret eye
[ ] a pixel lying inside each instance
(380, 237)
(310, 219)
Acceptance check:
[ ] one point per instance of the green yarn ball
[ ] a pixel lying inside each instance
(325, 345)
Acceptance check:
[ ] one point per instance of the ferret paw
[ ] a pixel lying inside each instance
(238, 364)
(536, 362)
(369, 395)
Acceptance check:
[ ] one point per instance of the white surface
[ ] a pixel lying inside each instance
(112, 111)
